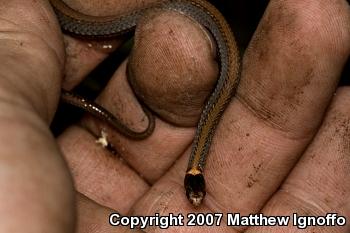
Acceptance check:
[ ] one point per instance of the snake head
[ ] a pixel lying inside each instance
(195, 188)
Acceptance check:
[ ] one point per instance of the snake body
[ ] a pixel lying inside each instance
(76, 23)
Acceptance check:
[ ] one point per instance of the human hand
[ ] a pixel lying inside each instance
(286, 86)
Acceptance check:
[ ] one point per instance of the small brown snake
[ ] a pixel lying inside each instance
(81, 25)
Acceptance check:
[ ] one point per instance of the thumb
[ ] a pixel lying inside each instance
(32, 171)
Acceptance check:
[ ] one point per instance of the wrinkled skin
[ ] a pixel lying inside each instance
(281, 147)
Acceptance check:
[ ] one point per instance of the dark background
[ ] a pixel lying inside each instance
(242, 15)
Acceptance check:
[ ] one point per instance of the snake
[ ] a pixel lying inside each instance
(81, 25)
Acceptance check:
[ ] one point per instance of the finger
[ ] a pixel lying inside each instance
(172, 67)
(319, 184)
(286, 85)
(33, 173)
(84, 55)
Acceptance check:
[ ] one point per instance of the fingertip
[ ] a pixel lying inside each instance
(172, 68)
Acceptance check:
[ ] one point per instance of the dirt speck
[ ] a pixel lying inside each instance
(257, 167)
(251, 181)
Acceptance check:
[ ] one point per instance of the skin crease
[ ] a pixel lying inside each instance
(290, 72)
